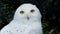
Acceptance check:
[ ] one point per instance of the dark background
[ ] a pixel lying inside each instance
(50, 11)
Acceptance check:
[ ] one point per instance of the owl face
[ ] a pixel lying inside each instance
(27, 12)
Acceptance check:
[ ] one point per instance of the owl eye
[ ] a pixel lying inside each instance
(32, 11)
(21, 12)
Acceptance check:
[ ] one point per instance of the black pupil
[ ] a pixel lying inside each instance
(22, 12)
(32, 10)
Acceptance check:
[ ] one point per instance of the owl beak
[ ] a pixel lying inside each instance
(27, 17)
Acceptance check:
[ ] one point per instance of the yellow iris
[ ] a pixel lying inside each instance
(21, 12)
(32, 11)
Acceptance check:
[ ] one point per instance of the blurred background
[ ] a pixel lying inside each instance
(50, 11)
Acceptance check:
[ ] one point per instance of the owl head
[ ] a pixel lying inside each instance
(27, 11)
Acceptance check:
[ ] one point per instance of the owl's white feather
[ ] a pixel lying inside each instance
(25, 21)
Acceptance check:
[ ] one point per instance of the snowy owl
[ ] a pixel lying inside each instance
(27, 20)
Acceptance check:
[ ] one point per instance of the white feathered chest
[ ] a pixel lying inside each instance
(20, 28)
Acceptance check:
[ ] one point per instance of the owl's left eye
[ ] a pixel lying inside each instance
(21, 12)
(32, 11)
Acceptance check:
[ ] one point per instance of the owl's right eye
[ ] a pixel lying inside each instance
(21, 12)
(32, 11)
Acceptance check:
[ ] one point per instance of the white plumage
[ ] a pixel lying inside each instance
(27, 20)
